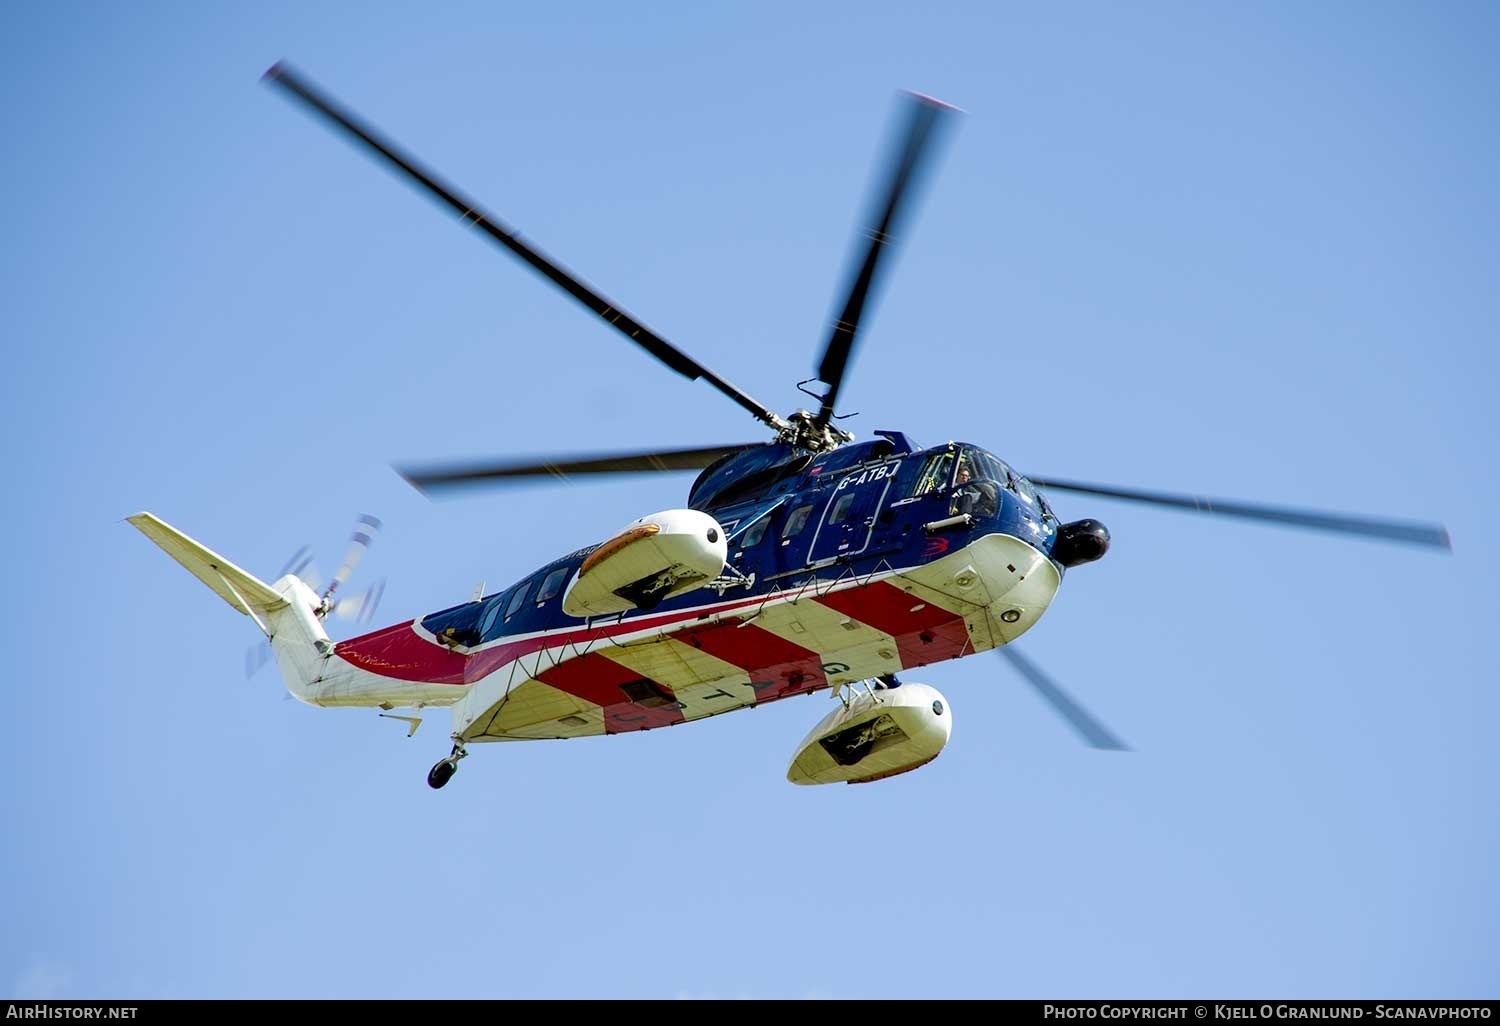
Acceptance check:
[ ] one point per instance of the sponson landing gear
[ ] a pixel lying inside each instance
(443, 771)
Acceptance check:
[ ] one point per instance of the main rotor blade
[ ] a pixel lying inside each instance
(1091, 730)
(434, 478)
(925, 115)
(1432, 535)
(470, 213)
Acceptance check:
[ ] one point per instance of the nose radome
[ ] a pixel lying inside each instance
(1081, 541)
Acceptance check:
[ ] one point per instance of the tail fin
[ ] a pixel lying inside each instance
(286, 613)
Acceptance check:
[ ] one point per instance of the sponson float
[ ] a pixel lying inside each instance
(653, 559)
(889, 728)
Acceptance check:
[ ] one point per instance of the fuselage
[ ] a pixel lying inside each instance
(869, 559)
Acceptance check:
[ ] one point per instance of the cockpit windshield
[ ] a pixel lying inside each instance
(976, 478)
(976, 484)
(990, 472)
(978, 465)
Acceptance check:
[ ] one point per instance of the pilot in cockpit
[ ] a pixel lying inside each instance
(971, 494)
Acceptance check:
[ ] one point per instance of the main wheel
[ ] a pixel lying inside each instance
(440, 774)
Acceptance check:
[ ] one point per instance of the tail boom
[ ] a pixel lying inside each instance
(287, 613)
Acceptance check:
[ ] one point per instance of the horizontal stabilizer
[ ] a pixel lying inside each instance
(244, 592)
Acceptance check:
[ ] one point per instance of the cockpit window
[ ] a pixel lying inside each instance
(978, 465)
(935, 474)
(967, 468)
(1024, 488)
(977, 483)
(1047, 513)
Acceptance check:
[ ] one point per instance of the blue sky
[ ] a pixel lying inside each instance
(1243, 250)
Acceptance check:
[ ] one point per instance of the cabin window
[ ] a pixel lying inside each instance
(755, 532)
(841, 508)
(935, 474)
(516, 599)
(489, 617)
(796, 521)
(552, 585)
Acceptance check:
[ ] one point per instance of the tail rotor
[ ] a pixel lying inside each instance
(298, 564)
(256, 657)
(365, 529)
(358, 607)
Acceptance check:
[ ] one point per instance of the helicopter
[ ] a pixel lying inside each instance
(808, 561)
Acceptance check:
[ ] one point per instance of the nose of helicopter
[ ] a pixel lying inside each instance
(1000, 583)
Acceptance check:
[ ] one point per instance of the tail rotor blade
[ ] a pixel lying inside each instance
(361, 607)
(256, 657)
(365, 530)
(1094, 733)
(371, 602)
(298, 562)
(300, 565)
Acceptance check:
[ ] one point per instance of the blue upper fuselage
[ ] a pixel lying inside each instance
(791, 515)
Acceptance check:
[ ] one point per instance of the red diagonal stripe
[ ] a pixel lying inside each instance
(928, 635)
(596, 679)
(777, 667)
